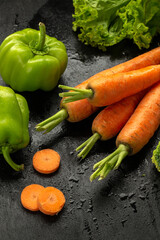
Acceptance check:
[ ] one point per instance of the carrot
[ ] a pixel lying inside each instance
(46, 161)
(29, 196)
(135, 134)
(51, 201)
(80, 110)
(104, 91)
(110, 121)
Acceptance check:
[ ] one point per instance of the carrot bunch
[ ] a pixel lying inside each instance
(121, 89)
(135, 134)
(136, 128)
(110, 121)
(75, 111)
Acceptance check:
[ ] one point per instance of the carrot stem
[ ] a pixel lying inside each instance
(51, 122)
(96, 174)
(76, 94)
(6, 155)
(107, 168)
(88, 145)
(110, 162)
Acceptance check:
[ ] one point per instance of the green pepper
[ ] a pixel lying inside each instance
(14, 120)
(31, 60)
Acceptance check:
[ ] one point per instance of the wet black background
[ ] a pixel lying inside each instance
(126, 205)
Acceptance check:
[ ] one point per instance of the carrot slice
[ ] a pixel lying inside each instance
(51, 201)
(46, 161)
(29, 196)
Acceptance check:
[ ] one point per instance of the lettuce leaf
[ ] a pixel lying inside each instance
(104, 23)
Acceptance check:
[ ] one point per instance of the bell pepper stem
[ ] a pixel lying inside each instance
(109, 163)
(75, 94)
(6, 155)
(88, 145)
(51, 122)
(42, 37)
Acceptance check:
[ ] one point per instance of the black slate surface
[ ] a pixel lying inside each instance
(126, 205)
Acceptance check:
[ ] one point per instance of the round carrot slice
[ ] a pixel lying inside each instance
(29, 196)
(46, 161)
(51, 201)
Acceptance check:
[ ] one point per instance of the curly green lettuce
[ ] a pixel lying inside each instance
(104, 23)
(156, 157)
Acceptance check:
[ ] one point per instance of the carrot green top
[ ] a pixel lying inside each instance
(75, 94)
(87, 145)
(51, 122)
(110, 162)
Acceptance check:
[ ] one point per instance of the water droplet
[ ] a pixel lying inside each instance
(90, 206)
(74, 179)
(142, 197)
(94, 219)
(80, 171)
(142, 187)
(85, 167)
(79, 207)
(130, 195)
(123, 196)
(123, 221)
(133, 205)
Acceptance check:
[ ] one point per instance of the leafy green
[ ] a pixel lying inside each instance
(103, 23)
(156, 157)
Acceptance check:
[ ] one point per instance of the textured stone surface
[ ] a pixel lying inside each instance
(94, 210)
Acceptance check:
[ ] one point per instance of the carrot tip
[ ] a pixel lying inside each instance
(109, 163)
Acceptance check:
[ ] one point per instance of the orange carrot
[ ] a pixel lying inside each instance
(147, 59)
(51, 201)
(29, 196)
(135, 134)
(143, 123)
(104, 91)
(80, 110)
(72, 112)
(110, 121)
(46, 161)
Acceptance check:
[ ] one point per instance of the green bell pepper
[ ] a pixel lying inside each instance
(14, 119)
(31, 60)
